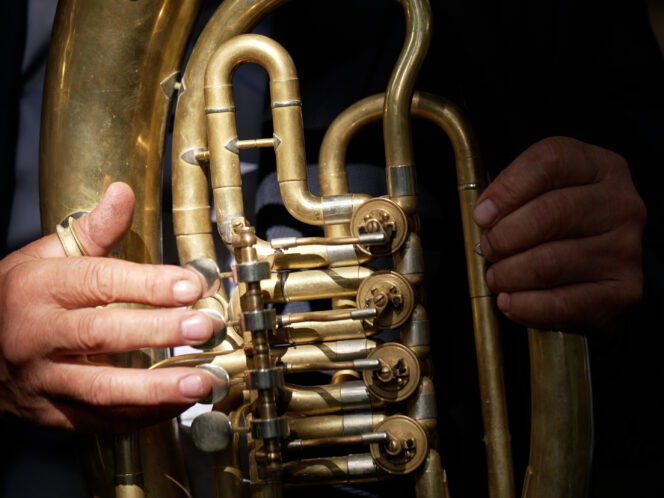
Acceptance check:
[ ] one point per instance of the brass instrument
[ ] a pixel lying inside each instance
(105, 120)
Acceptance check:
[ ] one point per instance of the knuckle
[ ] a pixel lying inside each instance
(101, 280)
(552, 215)
(101, 389)
(549, 155)
(153, 286)
(561, 310)
(498, 240)
(546, 265)
(88, 334)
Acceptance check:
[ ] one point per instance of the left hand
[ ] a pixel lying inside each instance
(563, 228)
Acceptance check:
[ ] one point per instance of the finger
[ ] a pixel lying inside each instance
(550, 164)
(106, 386)
(98, 231)
(118, 419)
(78, 282)
(110, 330)
(581, 305)
(564, 213)
(563, 262)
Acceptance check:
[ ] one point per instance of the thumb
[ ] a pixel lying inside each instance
(99, 230)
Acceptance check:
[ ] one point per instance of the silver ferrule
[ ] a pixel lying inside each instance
(351, 349)
(401, 180)
(284, 242)
(423, 406)
(416, 333)
(337, 209)
(354, 396)
(358, 423)
(342, 255)
(361, 465)
(411, 261)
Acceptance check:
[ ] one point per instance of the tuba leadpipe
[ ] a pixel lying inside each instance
(397, 399)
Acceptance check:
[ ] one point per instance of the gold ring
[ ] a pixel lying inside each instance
(68, 238)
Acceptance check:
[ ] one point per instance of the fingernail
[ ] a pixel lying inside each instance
(185, 291)
(478, 250)
(485, 213)
(191, 387)
(195, 329)
(503, 302)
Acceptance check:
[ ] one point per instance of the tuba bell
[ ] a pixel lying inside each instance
(105, 120)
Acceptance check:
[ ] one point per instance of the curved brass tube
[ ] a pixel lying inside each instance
(401, 184)
(471, 179)
(287, 141)
(551, 378)
(191, 209)
(104, 121)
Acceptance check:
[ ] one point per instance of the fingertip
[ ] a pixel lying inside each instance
(186, 291)
(503, 302)
(102, 228)
(485, 213)
(196, 329)
(195, 387)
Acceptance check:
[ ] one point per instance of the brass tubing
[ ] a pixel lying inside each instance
(396, 122)
(314, 284)
(430, 479)
(226, 470)
(322, 332)
(562, 432)
(309, 257)
(128, 470)
(235, 362)
(335, 425)
(288, 138)
(191, 209)
(104, 120)
(471, 180)
(332, 470)
(326, 399)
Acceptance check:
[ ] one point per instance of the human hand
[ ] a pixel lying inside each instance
(49, 320)
(563, 227)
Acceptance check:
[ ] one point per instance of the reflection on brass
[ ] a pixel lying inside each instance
(120, 136)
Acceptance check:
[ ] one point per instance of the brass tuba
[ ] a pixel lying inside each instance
(104, 120)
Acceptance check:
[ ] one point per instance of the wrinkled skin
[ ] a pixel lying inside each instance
(563, 230)
(50, 319)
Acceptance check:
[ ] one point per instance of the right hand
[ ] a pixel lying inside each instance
(50, 319)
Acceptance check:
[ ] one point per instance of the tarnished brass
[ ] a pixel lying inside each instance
(398, 376)
(380, 216)
(391, 294)
(104, 120)
(406, 446)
